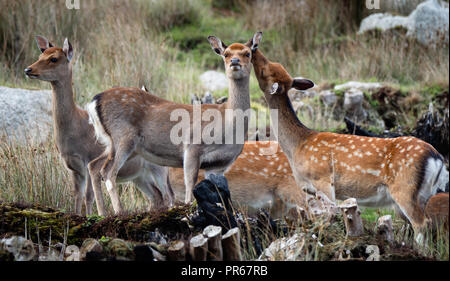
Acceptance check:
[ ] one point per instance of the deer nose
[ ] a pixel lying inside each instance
(234, 61)
(28, 70)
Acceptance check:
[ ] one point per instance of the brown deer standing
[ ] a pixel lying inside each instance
(75, 138)
(130, 121)
(403, 171)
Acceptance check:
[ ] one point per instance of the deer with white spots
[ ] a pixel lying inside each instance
(404, 172)
(75, 138)
(256, 180)
(130, 121)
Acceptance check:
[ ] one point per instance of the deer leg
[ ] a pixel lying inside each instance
(89, 199)
(78, 180)
(96, 180)
(289, 198)
(147, 186)
(170, 193)
(124, 151)
(413, 212)
(327, 188)
(191, 165)
(159, 176)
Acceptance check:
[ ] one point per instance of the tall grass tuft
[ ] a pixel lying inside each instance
(35, 174)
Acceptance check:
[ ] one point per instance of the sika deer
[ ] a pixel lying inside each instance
(403, 171)
(130, 121)
(75, 139)
(256, 180)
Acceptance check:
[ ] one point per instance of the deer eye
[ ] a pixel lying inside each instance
(53, 59)
(247, 55)
(226, 55)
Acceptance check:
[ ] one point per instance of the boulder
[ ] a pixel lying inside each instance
(72, 253)
(374, 253)
(383, 22)
(428, 23)
(284, 249)
(120, 250)
(353, 104)
(295, 94)
(363, 86)
(328, 97)
(90, 247)
(214, 80)
(21, 248)
(208, 98)
(25, 115)
(402, 7)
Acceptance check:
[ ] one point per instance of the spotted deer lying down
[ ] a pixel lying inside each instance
(256, 180)
(404, 172)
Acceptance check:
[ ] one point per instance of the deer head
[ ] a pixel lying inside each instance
(53, 64)
(237, 57)
(272, 77)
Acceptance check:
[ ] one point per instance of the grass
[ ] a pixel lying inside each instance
(35, 174)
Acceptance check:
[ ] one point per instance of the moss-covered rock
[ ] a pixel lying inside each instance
(15, 219)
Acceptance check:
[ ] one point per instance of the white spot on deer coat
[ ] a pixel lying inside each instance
(374, 172)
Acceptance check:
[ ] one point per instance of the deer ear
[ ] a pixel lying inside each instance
(43, 43)
(276, 88)
(143, 88)
(217, 45)
(254, 42)
(67, 49)
(302, 84)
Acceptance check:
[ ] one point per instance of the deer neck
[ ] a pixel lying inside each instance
(291, 132)
(238, 94)
(63, 105)
(238, 100)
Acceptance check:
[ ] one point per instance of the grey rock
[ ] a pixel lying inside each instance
(72, 253)
(363, 86)
(353, 104)
(298, 95)
(383, 21)
(374, 253)
(428, 23)
(214, 80)
(328, 97)
(403, 7)
(285, 249)
(90, 245)
(21, 248)
(208, 98)
(25, 115)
